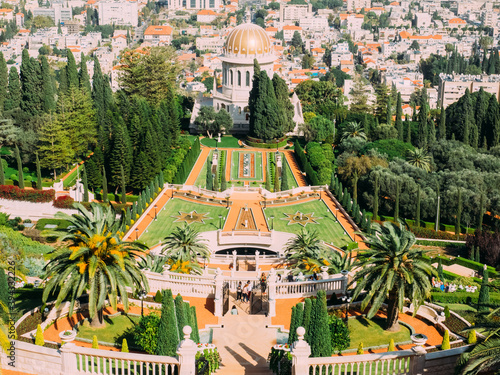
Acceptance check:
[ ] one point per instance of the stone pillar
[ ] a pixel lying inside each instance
(257, 259)
(345, 281)
(68, 359)
(271, 282)
(418, 361)
(300, 354)
(324, 273)
(219, 284)
(186, 351)
(235, 258)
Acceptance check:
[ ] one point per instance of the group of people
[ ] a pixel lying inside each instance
(450, 288)
(243, 292)
(300, 277)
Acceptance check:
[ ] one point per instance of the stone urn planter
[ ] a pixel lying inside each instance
(67, 336)
(324, 273)
(419, 340)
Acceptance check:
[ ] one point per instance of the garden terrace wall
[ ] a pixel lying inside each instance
(34, 359)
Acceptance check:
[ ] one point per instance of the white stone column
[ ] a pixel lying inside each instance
(186, 351)
(257, 259)
(271, 282)
(219, 284)
(345, 275)
(300, 354)
(418, 361)
(68, 359)
(234, 263)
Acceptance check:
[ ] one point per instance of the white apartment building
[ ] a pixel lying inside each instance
(453, 86)
(6, 14)
(423, 20)
(212, 44)
(158, 35)
(294, 12)
(314, 23)
(57, 12)
(194, 4)
(352, 5)
(289, 30)
(118, 13)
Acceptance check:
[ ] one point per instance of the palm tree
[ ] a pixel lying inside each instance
(95, 260)
(306, 244)
(353, 129)
(420, 158)
(184, 244)
(335, 262)
(153, 263)
(392, 269)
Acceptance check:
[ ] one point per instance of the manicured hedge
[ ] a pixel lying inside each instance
(431, 233)
(463, 297)
(15, 193)
(188, 163)
(64, 201)
(475, 266)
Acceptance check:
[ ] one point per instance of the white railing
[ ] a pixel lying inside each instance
(309, 288)
(95, 361)
(385, 363)
(191, 286)
(244, 237)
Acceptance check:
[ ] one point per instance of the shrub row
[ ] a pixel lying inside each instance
(15, 193)
(261, 143)
(187, 163)
(431, 233)
(463, 297)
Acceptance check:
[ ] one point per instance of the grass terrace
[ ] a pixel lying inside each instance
(235, 166)
(226, 142)
(329, 230)
(371, 332)
(116, 329)
(166, 222)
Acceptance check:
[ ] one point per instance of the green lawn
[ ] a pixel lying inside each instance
(329, 230)
(71, 180)
(227, 141)
(114, 331)
(289, 175)
(165, 224)
(201, 180)
(235, 162)
(372, 333)
(61, 224)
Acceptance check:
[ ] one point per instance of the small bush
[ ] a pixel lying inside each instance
(64, 201)
(158, 297)
(124, 346)
(471, 337)
(446, 341)
(391, 347)
(39, 340)
(95, 343)
(360, 348)
(446, 312)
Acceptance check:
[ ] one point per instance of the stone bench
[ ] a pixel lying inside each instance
(427, 313)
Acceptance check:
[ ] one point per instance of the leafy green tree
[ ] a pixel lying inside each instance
(317, 129)
(339, 334)
(359, 96)
(96, 261)
(320, 337)
(223, 122)
(146, 333)
(168, 335)
(391, 268)
(297, 42)
(205, 120)
(484, 293)
(184, 244)
(14, 94)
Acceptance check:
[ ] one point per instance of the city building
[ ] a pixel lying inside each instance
(118, 13)
(294, 12)
(57, 12)
(453, 86)
(352, 5)
(194, 4)
(157, 35)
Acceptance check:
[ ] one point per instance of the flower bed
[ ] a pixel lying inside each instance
(30, 195)
(64, 201)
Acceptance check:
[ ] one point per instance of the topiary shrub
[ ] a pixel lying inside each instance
(124, 346)
(360, 349)
(158, 296)
(95, 344)
(471, 337)
(446, 312)
(446, 341)
(391, 347)
(39, 340)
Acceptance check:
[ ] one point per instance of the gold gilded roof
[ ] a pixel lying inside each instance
(248, 39)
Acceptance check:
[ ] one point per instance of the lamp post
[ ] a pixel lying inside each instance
(347, 300)
(220, 221)
(142, 295)
(272, 222)
(336, 213)
(227, 201)
(136, 234)
(156, 215)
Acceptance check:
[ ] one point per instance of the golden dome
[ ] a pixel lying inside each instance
(248, 39)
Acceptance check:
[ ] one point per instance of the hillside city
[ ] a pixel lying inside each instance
(289, 187)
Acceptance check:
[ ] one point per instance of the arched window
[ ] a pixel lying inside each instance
(239, 78)
(223, 106)
(231, 75)
(218, 106)
(248, 78)
(247, 109)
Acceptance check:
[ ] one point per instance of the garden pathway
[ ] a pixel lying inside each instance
(252, 201)
(244, 344)
(195, 172)
(299, 177)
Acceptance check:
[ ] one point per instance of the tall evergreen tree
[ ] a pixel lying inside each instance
(210, 181)
(83, 75)
(417, 214)
(389, 111)
(104, 186)
(408, 132)
(72, 71)
(38, 173)
(492, 122)
(14, 94)
(320, 339)
(376, 196)
(30, 85)
(48, 102)
(180, 314)
(396, 200)
(93, 174)
(306, 321)
(284, 104)
(20, 175)
(423, 131)
(120, 153)
(2, 172)
(459, 212)
(139, 175)
(399, 120)
(254, 94)
(172, 115)
(466, 123)
(480, 214)
(168, 335)
(85, 185)
(483, 300)
(442, 125)
(4, 80)
(123, 184)
(284, 180)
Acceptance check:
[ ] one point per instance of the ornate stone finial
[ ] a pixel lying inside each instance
(218, 271)
(484, 267)
(187, 332)
(272, 271)
(301, 331)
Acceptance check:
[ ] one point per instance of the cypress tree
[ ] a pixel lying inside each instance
(215, 181)
(484, 293)
(474, 136)
(480, 214)
(440, 270)
(123, 184)
(2, 173)
(180, 314)
(478, 255)
(168, 335)
(432, 131)
(85, 185)
(71, 71)
(254, 93)
(422, 140)
(442, 125)
(399, 115)
(472, 255)
(320, 338)
(30, 85)
(195, 335)
(83, 76)
(408, 132)
(459, 212)
(467, 118)
(396, 203)
(492, 122)
(173, 116)
(293, 326)
(268, 177)
(20, 174)
(210, 183)
(139, 174)
(38, 172)
(417, 214)
(276, 179)
(306, 321)
(376, 197)
(120, 153)
(48, 102)
(223, 182)
(389, 111)
(104, 186)
(63, 81)
(4, 80)
(285, 106)
(14, 94)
